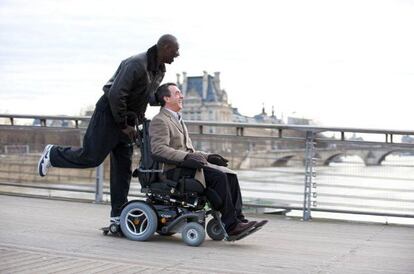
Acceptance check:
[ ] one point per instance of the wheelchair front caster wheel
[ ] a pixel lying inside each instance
(214, 230)
(193, 234)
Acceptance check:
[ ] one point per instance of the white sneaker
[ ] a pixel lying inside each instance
(114, 220)
(44, 161)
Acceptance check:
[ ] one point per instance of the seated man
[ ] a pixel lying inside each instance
(170, 140)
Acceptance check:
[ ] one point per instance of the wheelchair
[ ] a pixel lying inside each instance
(177, 203)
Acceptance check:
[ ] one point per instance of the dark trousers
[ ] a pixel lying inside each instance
(102, 137)
(236, 196)
(218, 181)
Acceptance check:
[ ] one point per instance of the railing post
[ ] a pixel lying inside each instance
(99, 183)
(310, 174)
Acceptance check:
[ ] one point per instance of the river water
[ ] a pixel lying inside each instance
(347, 186)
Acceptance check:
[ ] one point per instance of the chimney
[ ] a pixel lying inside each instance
(178, 79)
(217, 80)
(205, 84)
(184, 88)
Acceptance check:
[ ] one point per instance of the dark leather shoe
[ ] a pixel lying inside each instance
(261, 223)
(240, 227)
(242, 219)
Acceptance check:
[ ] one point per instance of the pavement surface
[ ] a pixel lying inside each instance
(49, 236)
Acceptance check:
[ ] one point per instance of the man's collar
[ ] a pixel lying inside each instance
(152, 56)
(175, 114)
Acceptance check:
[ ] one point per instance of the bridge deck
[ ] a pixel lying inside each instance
(47, 236)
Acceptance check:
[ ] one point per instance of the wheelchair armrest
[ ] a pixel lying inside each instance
(164, 160)
(191, 164)
(188, 163)
(171, 183)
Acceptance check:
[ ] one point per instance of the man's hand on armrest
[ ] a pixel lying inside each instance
(217, 159)
(194, 160)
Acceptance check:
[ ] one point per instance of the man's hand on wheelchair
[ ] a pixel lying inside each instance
(217, 159)
(131, 132)
(194, 160)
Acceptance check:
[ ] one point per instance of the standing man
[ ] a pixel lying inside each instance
(112, 125)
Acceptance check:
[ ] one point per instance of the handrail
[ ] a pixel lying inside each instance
(51, 117)
(315, 129)
(44, 118)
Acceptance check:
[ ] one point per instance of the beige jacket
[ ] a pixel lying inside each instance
(170, 140)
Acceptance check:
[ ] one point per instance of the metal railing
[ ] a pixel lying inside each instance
(13, 119)
(294, 151)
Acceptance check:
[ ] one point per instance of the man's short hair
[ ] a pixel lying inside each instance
(163, 91)
(166, 39)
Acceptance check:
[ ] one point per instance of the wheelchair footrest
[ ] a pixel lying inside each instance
(243, 234)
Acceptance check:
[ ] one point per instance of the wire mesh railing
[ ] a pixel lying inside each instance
(290, 167)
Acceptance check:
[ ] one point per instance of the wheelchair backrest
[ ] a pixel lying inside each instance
(146, 160)
(148, 168)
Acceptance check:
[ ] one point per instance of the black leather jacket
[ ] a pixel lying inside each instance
(134, 82)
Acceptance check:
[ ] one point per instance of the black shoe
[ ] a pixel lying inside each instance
(261, 223)
(242, 219)
(240, 228)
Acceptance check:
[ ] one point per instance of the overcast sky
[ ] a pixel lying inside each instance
(342, 63)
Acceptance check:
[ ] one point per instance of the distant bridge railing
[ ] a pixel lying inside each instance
(388, 136)
(292, 185)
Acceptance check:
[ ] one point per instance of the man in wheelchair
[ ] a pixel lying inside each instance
(171, 144)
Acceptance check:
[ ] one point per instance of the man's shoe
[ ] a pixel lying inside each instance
(114, 220)
(261, 223)
(240, 228)
(242, 219)
(44, 161)
(113, 228)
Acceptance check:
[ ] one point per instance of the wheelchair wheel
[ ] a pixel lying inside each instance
(193, 234)
(214, 230)
(138, 221)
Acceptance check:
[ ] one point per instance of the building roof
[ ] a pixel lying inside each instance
(195, 84)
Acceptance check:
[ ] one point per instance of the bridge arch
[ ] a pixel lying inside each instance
(331, 157)
(282, 161)
(383, 156)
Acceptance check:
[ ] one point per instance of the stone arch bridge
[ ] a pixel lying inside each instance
(371, 156)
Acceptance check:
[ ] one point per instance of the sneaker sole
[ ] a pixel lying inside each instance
(41, 160)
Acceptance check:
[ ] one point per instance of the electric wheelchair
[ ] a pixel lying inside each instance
(176, 203)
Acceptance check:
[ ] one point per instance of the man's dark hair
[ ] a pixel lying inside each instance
(163, 91)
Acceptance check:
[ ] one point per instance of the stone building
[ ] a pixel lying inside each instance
(205, 100)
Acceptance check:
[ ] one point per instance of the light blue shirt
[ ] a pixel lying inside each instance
(177, 115)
